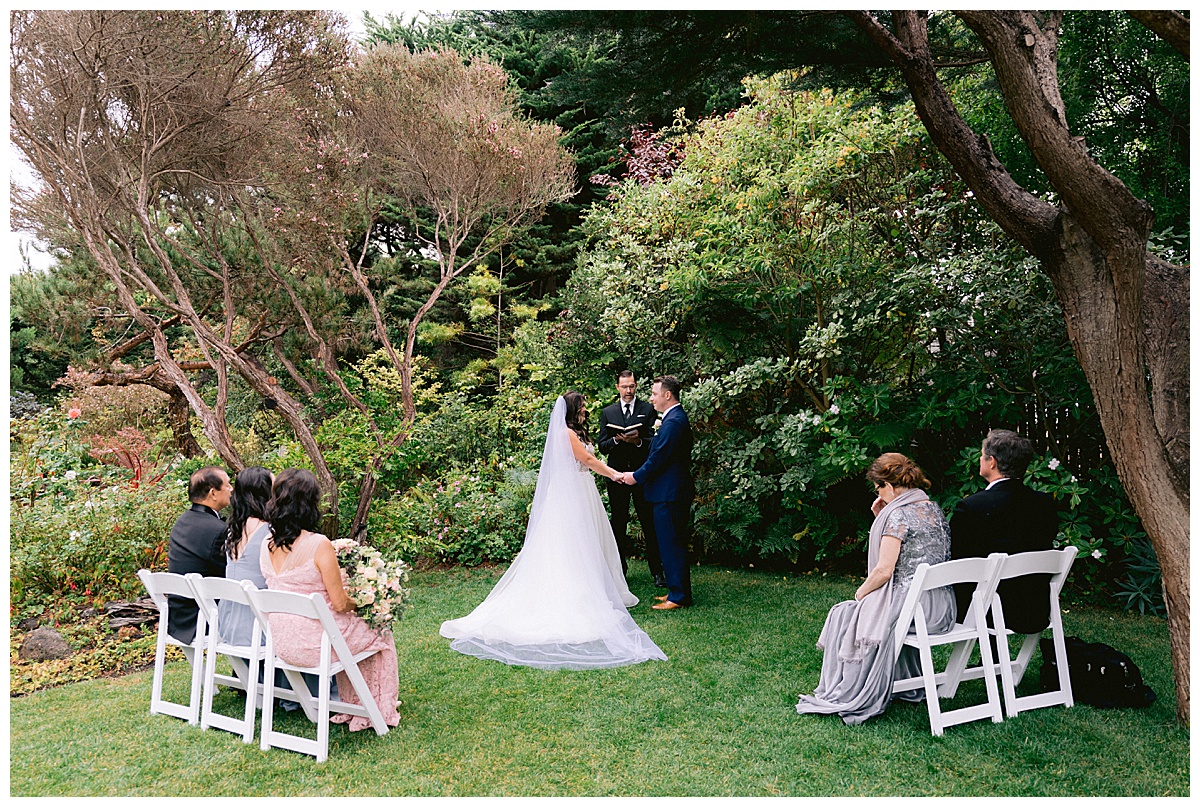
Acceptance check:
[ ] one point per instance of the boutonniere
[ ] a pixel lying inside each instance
(658, 423)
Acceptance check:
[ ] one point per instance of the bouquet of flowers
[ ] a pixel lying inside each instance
(375, 585)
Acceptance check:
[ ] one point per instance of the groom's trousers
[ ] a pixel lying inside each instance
(673, 523)
(619, 497)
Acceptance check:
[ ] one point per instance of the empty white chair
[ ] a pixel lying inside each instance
(335, 657)
(984, 572)
(1057, 564)
(158, 586)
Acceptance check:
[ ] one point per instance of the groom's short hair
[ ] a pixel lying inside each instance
(671, 384)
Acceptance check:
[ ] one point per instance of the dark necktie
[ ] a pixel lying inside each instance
(628, 411)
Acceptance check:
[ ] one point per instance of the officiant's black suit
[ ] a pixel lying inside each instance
(626, 457)
(1008, 518)
(197, 545)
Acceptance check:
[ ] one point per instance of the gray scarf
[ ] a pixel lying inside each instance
(873, 619)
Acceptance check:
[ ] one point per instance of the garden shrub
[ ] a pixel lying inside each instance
(465, 517)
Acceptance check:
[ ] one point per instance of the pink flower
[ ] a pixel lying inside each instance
(73, 413)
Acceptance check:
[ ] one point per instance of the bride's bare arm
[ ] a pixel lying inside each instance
(587, 460)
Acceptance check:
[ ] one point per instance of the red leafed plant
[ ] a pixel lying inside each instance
(128, 448)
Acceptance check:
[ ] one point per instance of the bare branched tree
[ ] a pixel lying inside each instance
(142, 128)
(444, 138)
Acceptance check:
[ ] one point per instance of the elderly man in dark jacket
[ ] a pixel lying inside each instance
(1007, 517)
(197, 543)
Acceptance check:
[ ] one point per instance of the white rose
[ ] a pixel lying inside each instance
(370, 573)
(70, 475)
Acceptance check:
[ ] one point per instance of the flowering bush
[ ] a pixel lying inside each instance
(375, 585)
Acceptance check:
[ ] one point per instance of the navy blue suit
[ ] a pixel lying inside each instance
(667, 476)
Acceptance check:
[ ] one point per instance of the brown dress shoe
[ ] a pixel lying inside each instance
(661, 598)
(666, 605)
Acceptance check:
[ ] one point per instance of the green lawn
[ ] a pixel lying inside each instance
(715, 720)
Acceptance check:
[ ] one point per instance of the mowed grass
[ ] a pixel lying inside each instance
(717, 719)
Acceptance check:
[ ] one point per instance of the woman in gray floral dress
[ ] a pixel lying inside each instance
(859, 668)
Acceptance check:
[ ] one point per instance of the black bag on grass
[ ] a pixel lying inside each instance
(1101, 676)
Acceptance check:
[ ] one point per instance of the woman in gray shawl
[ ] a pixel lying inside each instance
(859, 666)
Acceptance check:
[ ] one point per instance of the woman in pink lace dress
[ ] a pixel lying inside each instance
(298, 559)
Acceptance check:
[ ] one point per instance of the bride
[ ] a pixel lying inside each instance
(563, 601)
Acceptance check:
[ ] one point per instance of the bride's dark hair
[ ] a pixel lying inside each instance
(576, 421)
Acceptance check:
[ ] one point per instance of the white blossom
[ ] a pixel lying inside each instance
(70, 475)
(833, 410)
(1096, 554)
(1054, 463)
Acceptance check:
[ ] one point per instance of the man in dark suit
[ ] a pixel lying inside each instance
(667, 476)
(626, 451)
(197, 543)
(1007, 517)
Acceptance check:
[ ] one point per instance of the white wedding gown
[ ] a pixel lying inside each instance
(562, 603)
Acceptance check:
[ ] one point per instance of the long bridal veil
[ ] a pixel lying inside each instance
(562, 602)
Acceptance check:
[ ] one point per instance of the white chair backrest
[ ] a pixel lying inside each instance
(287, 602)
(984, 572)
(1056, 562)
(211, 589)
(160, 584)
(313, 607)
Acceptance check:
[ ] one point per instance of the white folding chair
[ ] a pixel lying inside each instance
(245, 660)
(158, 586)
(984, 572)
(1057, 564)
(266, 602)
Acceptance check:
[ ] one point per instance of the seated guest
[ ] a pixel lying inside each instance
(247, 530)
(197, 544)
(1007, 517)
(909, 529)
(297, 558)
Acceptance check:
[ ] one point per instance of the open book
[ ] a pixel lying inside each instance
(624, 429)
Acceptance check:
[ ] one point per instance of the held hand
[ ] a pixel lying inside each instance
(627, 478)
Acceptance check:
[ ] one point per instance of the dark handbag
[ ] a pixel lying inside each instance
(1101, 675)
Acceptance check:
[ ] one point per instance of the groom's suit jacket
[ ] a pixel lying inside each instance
(623, 456)
(667, 471)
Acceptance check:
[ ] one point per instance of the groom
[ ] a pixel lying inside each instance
(667, 475)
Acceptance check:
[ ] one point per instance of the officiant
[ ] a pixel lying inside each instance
(625, 439)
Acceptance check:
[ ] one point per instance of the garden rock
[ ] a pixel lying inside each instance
(43, 644)
(28, 624)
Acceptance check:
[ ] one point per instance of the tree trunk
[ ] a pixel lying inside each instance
(1105, 336)
(179, 416)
